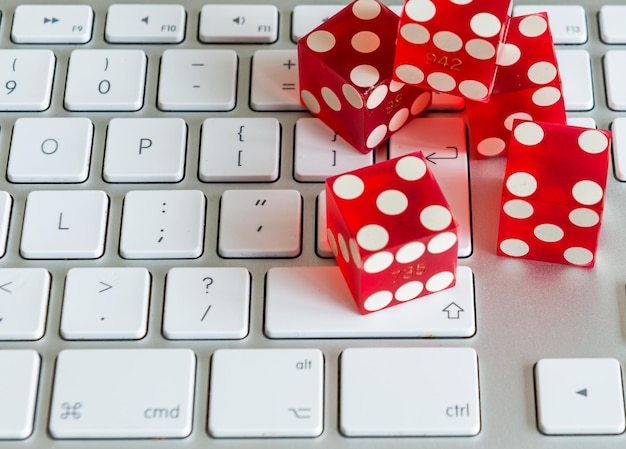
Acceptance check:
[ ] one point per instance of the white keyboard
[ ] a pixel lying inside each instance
(165, 276)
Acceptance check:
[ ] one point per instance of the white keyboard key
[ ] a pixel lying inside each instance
(163, 224)
(614, 75)
(582, 122)
(579, 396)
(207, 303)
(123, 393)
(106, 80)
(18, 390)
(24, 296)
(50, 150)
(26, 79)
(409, 391)
(260, 223)
(266, 393)
(575, 69)
(145, 150)
(443, 142)
(198, 80)
(322, 247)
(52, 24)
(5, 217)
(568, 23)
(105, 303)
(145, 23)
(238, 23)
(308, 17)
(240, 149)
(331, 312)
(275, 82)
(618, 128)
(64, 224)
(611, 18)
(319, 152)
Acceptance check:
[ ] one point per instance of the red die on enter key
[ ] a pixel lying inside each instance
(392, 232)
(345, 71)
(553, 193)
(451, 46)
(527, 86)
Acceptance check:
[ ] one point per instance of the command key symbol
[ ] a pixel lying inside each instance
(71, 410)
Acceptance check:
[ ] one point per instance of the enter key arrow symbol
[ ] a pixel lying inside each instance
(454, 311)
(432, 156)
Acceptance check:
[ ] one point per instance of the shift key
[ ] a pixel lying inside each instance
(123, 393)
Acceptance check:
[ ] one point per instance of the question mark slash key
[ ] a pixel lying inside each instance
(206, 303)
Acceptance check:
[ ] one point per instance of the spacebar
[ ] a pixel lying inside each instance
(123, 393)
(314, 302)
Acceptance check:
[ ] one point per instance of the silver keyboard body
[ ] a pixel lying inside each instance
(525, 311)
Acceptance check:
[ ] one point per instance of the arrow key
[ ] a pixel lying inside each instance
(52, 24)
(105, 303)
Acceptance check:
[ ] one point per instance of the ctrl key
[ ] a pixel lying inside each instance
(123, 393)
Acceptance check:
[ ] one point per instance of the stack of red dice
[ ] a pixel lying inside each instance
(380, 70)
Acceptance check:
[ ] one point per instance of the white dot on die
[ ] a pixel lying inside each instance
(546, 96)
(435, 217)
(332, 242)
(491, 146)
(509, 54)
(395, 86)
(348, 187)
(533, 26)
(485, 24)
(372, 237)
(415, 33)
(354, 252)
(542, 72)
(548, 233)
(461, 2)
(519, 209)
(593, 141)
(441, 242)
(521, 184)
(377, 96)
(392, 202)
(378, 262)
(398, 119)
(578, 256)
(331, 99)
(410, 168)
(410, 252)
(343, 248)
(587, 192)
(421, 103)
(366, 9)
(409, 74)
(514, 247)
(473, 90)
(439, 281)
(364, 75)
(408, 291)
(480, 49)
(441, 81)
(321, 41)
(447, 41)
(377, 301)
(584, 218)
(420, 10)
(352, 95)
(310, 102)
(508, 122)
(529, 133)
(365, 42)
(376, 136)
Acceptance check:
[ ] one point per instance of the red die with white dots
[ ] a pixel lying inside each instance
(392, 232)
(553, 194)
(451, 46)
(345, 72)
(527, 87)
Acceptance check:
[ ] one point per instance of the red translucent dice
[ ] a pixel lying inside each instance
(345, 74)
(392, 232)
(553, 193)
